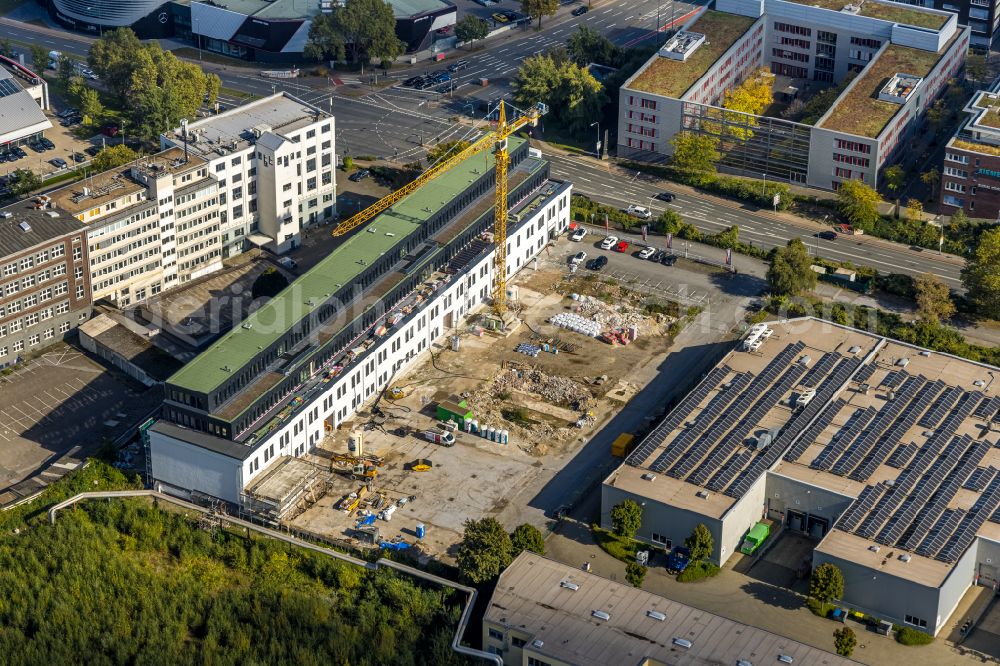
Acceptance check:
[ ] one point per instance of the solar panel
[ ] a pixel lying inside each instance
(821, 369)
(814, 431)
(936, 537)
(893, 379)
(988, 409)
(941, 407)
(8, 87)
(899, 492)
(843, 438)
(865, 373)
(985, 506)
(977, 480)
(732, 467)
(902, 455)
(860, 507)
(995, 518)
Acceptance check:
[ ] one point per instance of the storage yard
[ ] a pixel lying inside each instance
(519, 404)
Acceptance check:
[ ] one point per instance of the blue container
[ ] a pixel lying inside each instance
(421, 530)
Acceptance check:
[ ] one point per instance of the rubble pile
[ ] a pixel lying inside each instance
(607, 316)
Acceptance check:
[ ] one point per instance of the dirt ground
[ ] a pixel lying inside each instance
(551, 404)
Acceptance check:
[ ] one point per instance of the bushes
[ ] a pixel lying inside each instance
(819, 608)
(910, 636)
(698, 571)
(617, 547)
(745, 189)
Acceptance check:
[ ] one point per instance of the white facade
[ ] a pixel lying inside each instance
(178, 462)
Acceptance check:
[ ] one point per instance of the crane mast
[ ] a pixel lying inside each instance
(502, 160)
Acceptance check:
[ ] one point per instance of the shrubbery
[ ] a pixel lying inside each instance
(698, 571)
(911, 636)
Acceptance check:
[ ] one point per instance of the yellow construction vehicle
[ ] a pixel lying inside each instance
(498, 140)
(357, 471)
(397, 393)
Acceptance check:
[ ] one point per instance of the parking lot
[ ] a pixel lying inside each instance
(63, 403)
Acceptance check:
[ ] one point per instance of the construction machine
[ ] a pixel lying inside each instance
(497, 139)
(397, 393)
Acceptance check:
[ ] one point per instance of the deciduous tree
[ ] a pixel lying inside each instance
(536, 9)
(574, 96)
(587, 45)
(471, 28)
(25, 181)
(695, 152)
(914, 210)
(791, 271)
(981, 275)
(39, 57)
(485, 550)
(895, 178)
(369, 30)
(933, 298)
(844, 641)
(975, 66)
(931, 178)
(526, 537)
(700, 543)
(90, 105)
(626, 519)
(635, 573)
(859, 203)
(325, 40)
(113, 156)
(446, 149)
(65, 69)
(827, 583)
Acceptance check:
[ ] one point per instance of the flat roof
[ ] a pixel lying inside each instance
(265, 326)
(896, 12)
(529, 598)
(913, 436)
(203, 440)
(42, 227)
(281, 112)
(304, 9)
(665, 76)
(859, 110)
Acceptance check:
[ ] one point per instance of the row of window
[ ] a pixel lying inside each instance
(31, 300)
(39, 278)
(855, 146)
(17, 346)
(37, 259)
(16, 325)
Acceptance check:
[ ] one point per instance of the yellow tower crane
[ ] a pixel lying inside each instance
(497, 139)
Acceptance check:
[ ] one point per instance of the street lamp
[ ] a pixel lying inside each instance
(763, 188)
(598, 144)
(196, 32)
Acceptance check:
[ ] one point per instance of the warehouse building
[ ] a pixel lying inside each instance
(872, 69)
(302, 364)
(545, 613)
(885, 454)
(21, 102)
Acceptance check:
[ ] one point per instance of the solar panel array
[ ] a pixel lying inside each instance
(8, 87)
(934, 540)
(824, 394)
(965, 533)
(893, 379)
(860, 507)
(843, 438)
(821, 369)
(677, 415)
(987, 411)
(977, 480)
(865, 373)
(902, 455)
(814, 430)
(995, 518)
(938, 410)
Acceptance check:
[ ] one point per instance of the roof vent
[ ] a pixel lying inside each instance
(569, 585)
(903, 362)
(656, 615)
(371, 230)
(905, 557)
(874, 548)
(785, 659)
(648, 476)
(52, 213)
(6, 214)
(925, 352)
(743, 662)
(25, 227)
(247, 325)
(537, 643)
(979, 382)
(600, 615)
(682, 642)
(854, 350)
(704, 494)
(805, 360)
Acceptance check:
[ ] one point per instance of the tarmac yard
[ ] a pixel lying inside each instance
(550, 404)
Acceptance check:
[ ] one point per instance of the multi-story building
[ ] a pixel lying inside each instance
(44, 281)
(877, 65)
(306, 361)
(883, 454)
(970, 172)
(982, 17)
(273, 166)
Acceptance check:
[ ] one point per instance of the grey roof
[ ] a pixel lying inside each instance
(43, 227)
(19, 111)
(270, 140)
(529, 598)
(203, 440)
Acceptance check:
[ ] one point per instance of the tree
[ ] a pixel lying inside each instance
(827, 583)
(933, 299)
(536, 9)
(213, 85)
(626, 519)
(485, 550)
(791, 270)
(325, 41)
(936, 115)
(268, 284)
(635, 573)
(112, 57)
(574, 96)
(695, 152)
(65, 69)
(859, 203)
(748, 100)
(981, 275)
(39, 57)
(931, 178)
(526, 537)
(975, 66)
(587, 45)
(446, 149)
(470, 28)
(700, 543)
(24, 181)
(113, 157)
(844, 641)
(368, 28)
(348, 163)
(6, 48)
(914, 210)
(895, 178)
(90, 105)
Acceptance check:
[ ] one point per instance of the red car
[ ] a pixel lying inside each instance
(621, 247)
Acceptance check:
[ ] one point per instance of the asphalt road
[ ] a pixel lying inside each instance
(710, 214)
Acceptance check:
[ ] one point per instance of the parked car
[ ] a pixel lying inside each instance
(92, 150)
(609, 242)
(669, 260)
(578, 258)
(79, 157)
(442, 77)
(827, 235)
(19, 151)
(665, 196)
(658, 256)
(621, 247)
(59, 162)
(647, 252)
(578, 235)
(456, 66)
(410, 82)
(678, 559)
(110, 130)
(359, 175)
(500, 18)
(640, 212)
(47, 143)
(579, 11)
(599, 263)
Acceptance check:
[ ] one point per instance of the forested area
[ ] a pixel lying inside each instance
(123, 582)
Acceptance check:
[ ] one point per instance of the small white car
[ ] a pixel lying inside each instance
(647, 252)
(639, 212)
(609, 242)
(578, 235)
(578, 258)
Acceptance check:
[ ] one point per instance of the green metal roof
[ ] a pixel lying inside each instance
(236, 348)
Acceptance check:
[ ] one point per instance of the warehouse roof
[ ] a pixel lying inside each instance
(532, 596)
(339, 268)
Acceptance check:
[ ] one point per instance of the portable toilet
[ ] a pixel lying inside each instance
(421, 530)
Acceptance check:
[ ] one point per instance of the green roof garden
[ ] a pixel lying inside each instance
(895, 12)
(341, 267)
(859, 110)
(672, 78)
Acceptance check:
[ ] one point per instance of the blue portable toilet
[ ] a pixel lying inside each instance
(421, 530)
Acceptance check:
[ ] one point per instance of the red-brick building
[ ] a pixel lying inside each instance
(970, 172)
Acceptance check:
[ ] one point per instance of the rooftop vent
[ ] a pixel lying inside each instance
(6, 214)
(905, 557)
(648, 477)
(247, 325)
(854, 350)
(600, 615)
(682, 45)
(805, 360)
(704, 494)
(874, 548)
(743, 662)
(849, 9)
(682, 642)
(785, 659)
(537, 643)
(925, 352)
(656, 615)
(762, 441)
(569, 585)
(25, 227)
(903, 362)
(979, 382)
